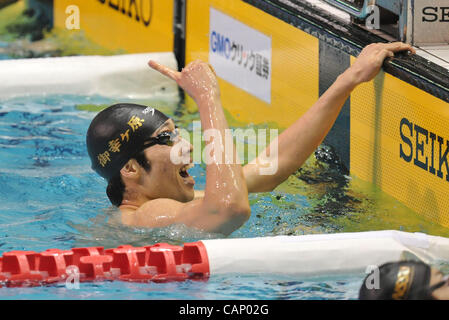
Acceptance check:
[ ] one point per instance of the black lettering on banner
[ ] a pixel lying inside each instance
(417, 147)
(430, 11)
(122, 2)
(143, 9)
(444, 14)
(443, 159)
(113, 5)
(420, 147)
(432, 162)
(132, 3)
(149, 3)
(402, 154)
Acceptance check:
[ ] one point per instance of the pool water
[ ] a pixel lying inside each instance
(236, 287)
(52, 199)
(3, 56)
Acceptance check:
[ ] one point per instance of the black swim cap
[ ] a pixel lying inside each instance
(117, 133)
(405, 280)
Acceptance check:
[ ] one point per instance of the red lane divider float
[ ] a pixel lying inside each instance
(158, 263)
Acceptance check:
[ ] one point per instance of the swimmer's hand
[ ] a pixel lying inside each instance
(198, 79)
(370, 60)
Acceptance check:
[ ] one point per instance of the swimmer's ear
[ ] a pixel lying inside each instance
(130, 169)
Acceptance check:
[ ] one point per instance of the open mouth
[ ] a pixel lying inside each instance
(183, 171)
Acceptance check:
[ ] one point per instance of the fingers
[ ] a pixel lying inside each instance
(212, 69)
(393, 47)
(399, 46)
(383, 54)
(386, 50)
(172, 74)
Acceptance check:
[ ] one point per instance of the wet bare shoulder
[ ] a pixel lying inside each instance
(156, 213)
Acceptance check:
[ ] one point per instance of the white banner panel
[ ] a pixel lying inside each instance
(240, 55)
(430, 22)
(322, 254)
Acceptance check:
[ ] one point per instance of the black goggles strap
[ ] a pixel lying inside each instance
(164, 138)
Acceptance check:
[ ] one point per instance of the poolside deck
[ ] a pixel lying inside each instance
(438, 54)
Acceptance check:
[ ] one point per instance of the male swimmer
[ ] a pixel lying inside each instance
(130, 147)
(405, 280)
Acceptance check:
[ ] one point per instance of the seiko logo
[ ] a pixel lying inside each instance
(428, 150)
(435, 14)
(141, 10)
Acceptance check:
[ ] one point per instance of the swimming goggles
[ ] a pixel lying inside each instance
(426, 293)
(439, 284)
(167, 138)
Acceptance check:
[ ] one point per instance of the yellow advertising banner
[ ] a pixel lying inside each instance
(268, 69)
(130, 25)
(399, 141)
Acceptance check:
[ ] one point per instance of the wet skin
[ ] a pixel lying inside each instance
(164, 195)
(441, 293)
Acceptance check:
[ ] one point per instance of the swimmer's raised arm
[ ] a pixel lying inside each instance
(225, 206)
(302, 138)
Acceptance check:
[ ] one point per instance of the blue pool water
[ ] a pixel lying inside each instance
(237, 287)
(3, 56)
(50, 198)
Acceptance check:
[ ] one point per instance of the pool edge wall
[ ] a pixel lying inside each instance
(392, 132)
